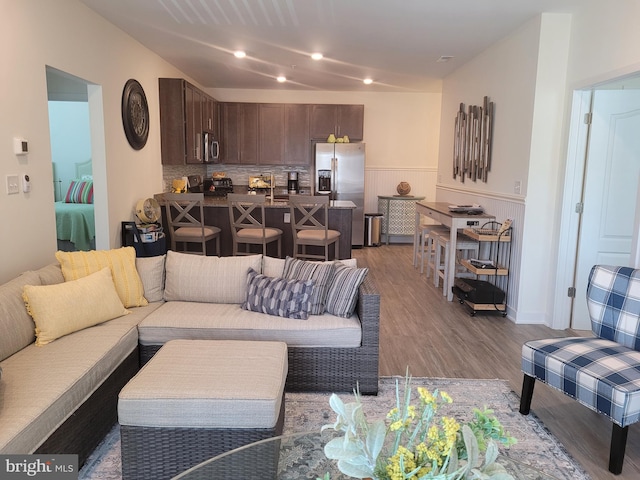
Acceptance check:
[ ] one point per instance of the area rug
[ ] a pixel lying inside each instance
(536, 446)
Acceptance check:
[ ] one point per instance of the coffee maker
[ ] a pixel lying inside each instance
(292, 183)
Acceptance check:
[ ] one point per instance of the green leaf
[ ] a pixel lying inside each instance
(491, 454)
(338, 449)
(375, 438)
(471, 445)
(356, 471)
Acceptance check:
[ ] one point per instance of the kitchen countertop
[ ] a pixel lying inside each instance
(278, 203)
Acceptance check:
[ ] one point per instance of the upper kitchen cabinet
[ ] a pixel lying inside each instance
(271, 136)
(184, 115)
(210, 115)
(297, 141)
(239, 122)
(339, 120)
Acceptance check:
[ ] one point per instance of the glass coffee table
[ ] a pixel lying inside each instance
(300, 456)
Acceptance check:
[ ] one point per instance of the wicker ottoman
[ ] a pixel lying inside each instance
(196, 399)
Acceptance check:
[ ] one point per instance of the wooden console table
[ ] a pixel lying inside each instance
(439, 213)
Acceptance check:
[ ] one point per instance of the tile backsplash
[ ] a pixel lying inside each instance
(239, 174)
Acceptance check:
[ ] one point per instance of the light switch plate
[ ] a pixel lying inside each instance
(13, 184)
(287, 217)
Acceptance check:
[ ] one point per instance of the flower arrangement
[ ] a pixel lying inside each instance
(414, 443)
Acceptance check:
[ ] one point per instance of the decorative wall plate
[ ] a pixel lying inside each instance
(135, 114)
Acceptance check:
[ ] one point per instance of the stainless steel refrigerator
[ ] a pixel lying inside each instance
(339, 172)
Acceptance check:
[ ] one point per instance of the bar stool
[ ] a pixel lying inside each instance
(464, 244)
(423, 245)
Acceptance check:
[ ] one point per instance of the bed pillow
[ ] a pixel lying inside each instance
(197, 278)
(80, 191)
(343, 291)
(278, 296)
(64, 308)
(121, 261)
(151, 271)
(320, 273)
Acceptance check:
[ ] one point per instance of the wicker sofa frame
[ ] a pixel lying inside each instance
(325, 369)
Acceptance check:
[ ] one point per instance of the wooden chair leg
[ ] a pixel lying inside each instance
(527, 394)
(618, 446)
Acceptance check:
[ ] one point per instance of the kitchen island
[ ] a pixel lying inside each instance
(216, 213)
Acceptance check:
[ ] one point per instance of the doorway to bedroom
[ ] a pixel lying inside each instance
(73, 158)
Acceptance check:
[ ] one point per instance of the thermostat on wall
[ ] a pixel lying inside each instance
(20, 146)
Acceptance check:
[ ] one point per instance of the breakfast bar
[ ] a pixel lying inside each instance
(216, 213)
(440, 213)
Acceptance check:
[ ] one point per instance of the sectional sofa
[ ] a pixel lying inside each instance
(73, 333)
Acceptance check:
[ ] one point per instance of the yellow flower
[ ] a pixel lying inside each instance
(426, 396)
(393, 463)
(395, 426)
(445, 396)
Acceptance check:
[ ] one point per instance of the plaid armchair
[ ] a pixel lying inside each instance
(602, 373)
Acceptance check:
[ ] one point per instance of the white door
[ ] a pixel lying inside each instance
(610, 190)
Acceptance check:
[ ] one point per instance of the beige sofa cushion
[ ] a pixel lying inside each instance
(17, 329)
(151, 271)
(51, 274)
(205, 384)
(42, 386)
(230, 322)
(196, 278)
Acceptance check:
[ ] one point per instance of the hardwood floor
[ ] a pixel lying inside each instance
(421, 330)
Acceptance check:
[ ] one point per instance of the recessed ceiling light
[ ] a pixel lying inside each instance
(445, 58)
(239, 54)
(367, 81)
(316, 56)
(282, 79)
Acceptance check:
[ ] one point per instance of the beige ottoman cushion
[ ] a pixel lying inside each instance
(208, 384)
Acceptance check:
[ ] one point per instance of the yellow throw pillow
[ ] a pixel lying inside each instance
(64, 308)
(121, 262)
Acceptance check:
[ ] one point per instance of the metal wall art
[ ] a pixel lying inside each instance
(472, 142)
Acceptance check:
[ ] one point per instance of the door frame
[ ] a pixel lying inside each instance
(574, 178)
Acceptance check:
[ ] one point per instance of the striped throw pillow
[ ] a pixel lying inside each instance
(278, 296)
(343, 291)
(80, 191)
(321, 273)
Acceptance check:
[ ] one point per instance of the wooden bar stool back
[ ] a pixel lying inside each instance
(248, 224)
(185, 215)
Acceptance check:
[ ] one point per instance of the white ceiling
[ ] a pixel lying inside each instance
(395, 42)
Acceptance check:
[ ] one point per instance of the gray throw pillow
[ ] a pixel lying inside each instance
(343, 291)
(320, 273)
(278, 296)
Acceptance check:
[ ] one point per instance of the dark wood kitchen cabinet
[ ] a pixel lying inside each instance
(239, 133)
(339, 120)
(297, 141)
(193, 124)
(271, 136)
(210, 115)
(284, 134)
(185, 112)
